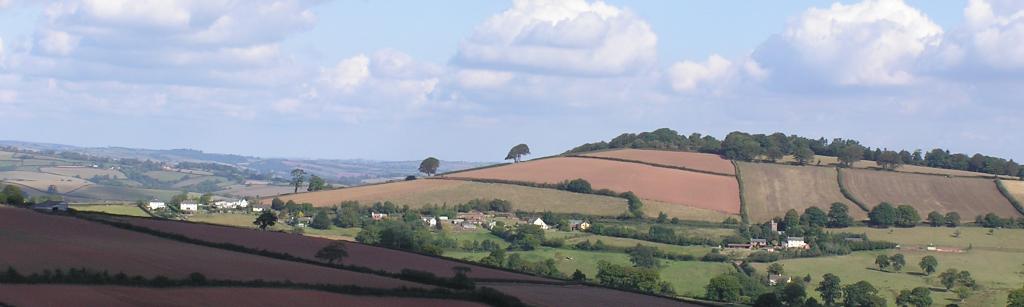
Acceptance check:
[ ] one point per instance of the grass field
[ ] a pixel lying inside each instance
(130, 210)
(996, 273)
(41, 181)
(688, 160)
(196, 179)
(968, 196)
(125, 194)
(653, 207)
(255, 190)
(684, 188)
(772, 189)
(166, 176)
(1016, 189)
(242, 220)
(84, 172)
(976, 237)
(417, 193)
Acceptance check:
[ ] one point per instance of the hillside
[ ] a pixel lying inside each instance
(967, 196)
(418, 193)
(771, 189)
(687, 160)
(683, 188)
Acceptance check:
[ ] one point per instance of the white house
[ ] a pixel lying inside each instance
(223, 204)
(257, 209)
(153, 205)
(430, 220)
(540, 222)
(795, 242)
(189, 206)
(51, 205)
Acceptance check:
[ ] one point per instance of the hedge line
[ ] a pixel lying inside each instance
(1009, 196)
(85, 276)
(743, 200)
(847, 194)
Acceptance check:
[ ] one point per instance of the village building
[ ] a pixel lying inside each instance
(153, 205)
(430, 220)
(378, 216)
(475, 217)
(51, 205)
(540, 222)
(257, 209)
(758, 243)
(579, 225)
(775, 279)
(189, 206)
(795, 242)
(468, 225)
(223, 204)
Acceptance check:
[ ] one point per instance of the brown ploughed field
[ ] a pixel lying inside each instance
(33, 242)
(691, 160)
(306, 247)
(577, 295)
(772, 189)
(967, 196)
(714, 192)
(115, 296)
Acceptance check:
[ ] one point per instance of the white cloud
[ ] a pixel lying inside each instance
(997, 32)
(58, 42)
(686, 75)
(875, 42)
(348, 74)
(480, 78)
(572, 37)
(287, 105)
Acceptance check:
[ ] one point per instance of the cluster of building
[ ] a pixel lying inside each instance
(787, 242)
(193, 206)
(475, 219)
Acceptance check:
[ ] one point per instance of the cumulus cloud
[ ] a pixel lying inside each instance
(572, 37)
(348, 74)
(875, 42)
(686, 75)
(996, 32)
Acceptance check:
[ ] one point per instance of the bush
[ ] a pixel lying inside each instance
(577, 186)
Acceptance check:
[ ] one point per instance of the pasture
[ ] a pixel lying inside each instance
(119, 209)
(417, 193)
(83, 172)
(255, 190)
(42, 181)
(967, 196)
(772, 189)
(121, 194)
(969, 237)
(683, 188)
(166, 176)
(689, 160)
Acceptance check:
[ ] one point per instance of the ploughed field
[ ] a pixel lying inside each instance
(33, 242)
(114, 296)
(967, 196)
(306, 247)
(417, 193)
(685, 188)
(577, 295)
(689, 160)
(772, 189)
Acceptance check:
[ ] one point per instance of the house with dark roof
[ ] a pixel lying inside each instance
(51, 205)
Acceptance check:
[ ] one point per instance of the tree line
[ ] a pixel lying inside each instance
(773, 147)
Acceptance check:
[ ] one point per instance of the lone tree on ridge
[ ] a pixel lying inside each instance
(517, 152)
(429, 166)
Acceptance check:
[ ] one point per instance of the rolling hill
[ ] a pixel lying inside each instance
(967, 196)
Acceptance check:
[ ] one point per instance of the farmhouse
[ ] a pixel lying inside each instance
(795, 242)
(156, 204)
(475, 217)
(52, 205)
(242, 203)
(189, 206)
(758, 243)
(580, 225)
(540, 222)
(257, 209)
(378, 216)
(430, 220)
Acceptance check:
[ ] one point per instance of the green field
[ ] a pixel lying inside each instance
(1000, 240)
(130, 210)
(166, 176)
(101, 192)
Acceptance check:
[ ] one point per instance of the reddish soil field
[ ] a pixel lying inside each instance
(968, 196)
(306, 247)
(113, 296)
(34, 241)
(713, 192)
(691, 160)
(772, 189)
(576, 295)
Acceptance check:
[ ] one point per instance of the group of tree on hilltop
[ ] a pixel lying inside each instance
(748, 147)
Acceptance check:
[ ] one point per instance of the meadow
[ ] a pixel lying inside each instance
(119, 209)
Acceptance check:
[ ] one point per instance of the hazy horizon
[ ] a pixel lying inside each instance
(399, 80)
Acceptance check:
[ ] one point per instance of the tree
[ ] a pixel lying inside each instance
(741, 146)
(906, 216)
(862, 294)
(936, 219)
(791, 221)
(953, 219)
(298, 177)
(13, 195)
(578, 185)
(776, 269)
(882, 215)
(579, 276)
(889, 160)
(803, 154)
(839, 216)
(276, 204)
(850, 154)
(52, 189)
(316, 184)
(321, 220)
(882, 261)
(266, 219)
(662, 218)
(429, 166)
(723, 288)
(948, 278)
(527, 237)
(919, 297)
(1015, 298)
(517, 152)
(794, 294)
(962, 292)
(769, 299)
(773, 153)
(929, 264)
(643, 256)
(334, 251)
(830, 288)
(814, 217)
(898, 262)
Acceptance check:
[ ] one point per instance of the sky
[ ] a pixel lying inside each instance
(466, 80)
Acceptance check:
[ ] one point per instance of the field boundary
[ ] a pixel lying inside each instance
(1009, 196)
(743, 199)
(846, 193)
(654, 165)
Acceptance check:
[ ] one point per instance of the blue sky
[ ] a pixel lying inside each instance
(465, 80)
